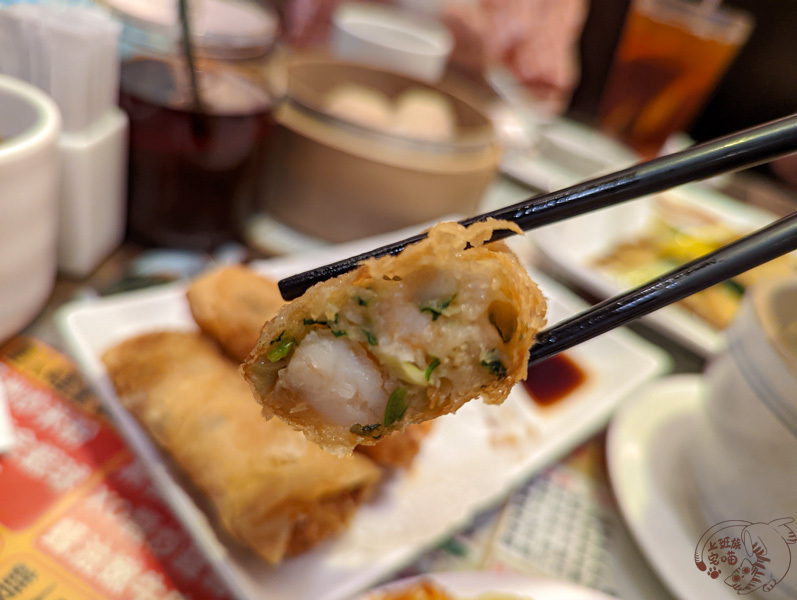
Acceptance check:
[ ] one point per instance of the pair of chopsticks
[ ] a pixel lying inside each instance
(740, 150)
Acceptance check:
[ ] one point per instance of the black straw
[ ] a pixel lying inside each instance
(188, 54)
(737, 151)
(729, 261)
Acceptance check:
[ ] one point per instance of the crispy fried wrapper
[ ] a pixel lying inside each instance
(400, 340)
(272, 489)
(232, 303)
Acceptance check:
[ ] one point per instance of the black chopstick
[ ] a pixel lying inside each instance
(750, 251)
(737, 151)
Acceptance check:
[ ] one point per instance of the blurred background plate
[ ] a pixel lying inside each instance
(566, 152)
(469, 462)
(648, 450)
(570, 248)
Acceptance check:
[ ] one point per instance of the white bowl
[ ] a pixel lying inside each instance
(746, 458)
(29, 127)
(387, 37)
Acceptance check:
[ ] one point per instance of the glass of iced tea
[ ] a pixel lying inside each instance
(198, 128)
(671, 56)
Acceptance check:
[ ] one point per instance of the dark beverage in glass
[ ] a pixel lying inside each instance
(193, 170)
(670, 57)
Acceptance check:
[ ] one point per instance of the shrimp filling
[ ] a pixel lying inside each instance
(366, 364)
(336, 379)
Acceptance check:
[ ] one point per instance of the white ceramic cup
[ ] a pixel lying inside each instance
(745, 454)
(29, 127)
(387, 37)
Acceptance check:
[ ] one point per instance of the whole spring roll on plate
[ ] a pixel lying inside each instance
(271, 488)
(400, 340)
(231, 304)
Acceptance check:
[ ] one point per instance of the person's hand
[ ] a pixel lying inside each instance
(535, 39)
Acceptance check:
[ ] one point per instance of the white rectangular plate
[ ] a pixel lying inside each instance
(471, 460)
(572, 246)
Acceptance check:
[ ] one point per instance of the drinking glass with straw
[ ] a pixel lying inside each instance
(671, 55)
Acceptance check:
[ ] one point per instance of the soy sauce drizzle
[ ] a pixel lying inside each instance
(554, 378)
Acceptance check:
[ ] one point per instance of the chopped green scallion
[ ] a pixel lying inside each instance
(437, 309)
(494, 365)
(370, 338)
(280, 347)
(432, 366)
(396, 406)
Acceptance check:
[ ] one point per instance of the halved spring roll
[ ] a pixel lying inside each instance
(271, 488)
(231, 304)
(400, 340)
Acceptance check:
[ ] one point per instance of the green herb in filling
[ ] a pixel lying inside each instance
(362, 301)
(396, 406)
(494, 365)
(280, 347)
(370, 337)
(432, 366)
(325, 323)
(437, 309)
(337, 333)
(372, 431)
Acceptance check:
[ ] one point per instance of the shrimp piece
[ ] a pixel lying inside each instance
(400, 340)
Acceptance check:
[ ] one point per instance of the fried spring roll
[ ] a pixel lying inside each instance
(271, 488)
(400, 340)
(231, 305)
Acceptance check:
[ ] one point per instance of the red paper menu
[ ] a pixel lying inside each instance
(79, 517)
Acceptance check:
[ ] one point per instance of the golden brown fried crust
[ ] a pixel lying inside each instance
(323, 519)
(271, 488)
(399, 448)
(231, 304)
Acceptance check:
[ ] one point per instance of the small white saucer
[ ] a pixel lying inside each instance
(648, 455)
